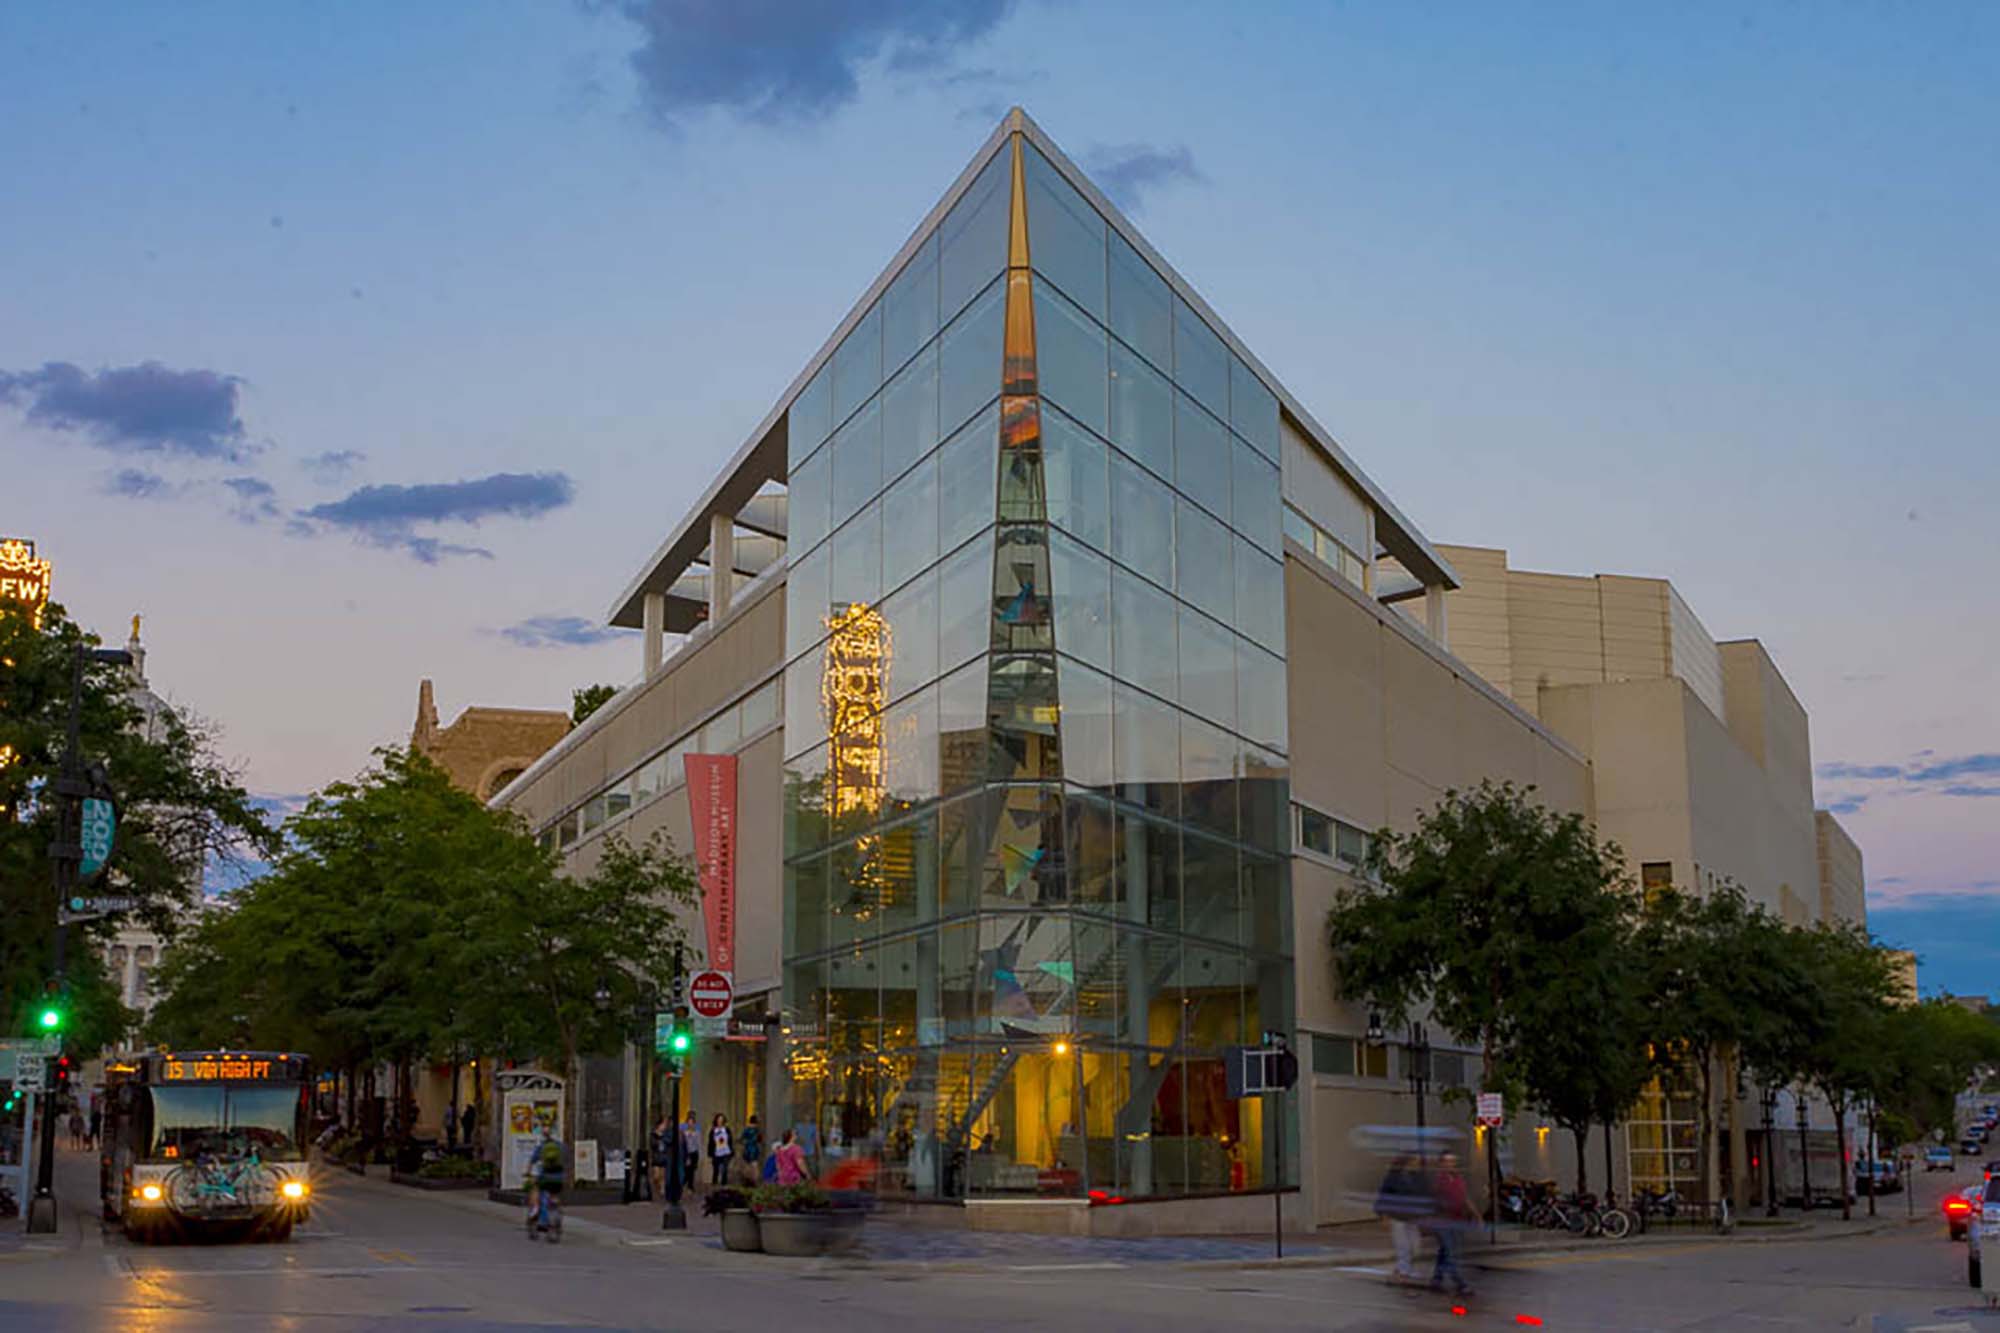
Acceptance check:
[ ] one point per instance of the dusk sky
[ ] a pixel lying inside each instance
(356, 344)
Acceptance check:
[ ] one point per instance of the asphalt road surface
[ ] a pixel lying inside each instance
(377, 1257)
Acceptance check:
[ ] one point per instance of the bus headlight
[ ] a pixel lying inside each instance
(150, 1193)
(293, 1190)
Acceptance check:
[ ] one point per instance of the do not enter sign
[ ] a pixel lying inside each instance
(711, 994)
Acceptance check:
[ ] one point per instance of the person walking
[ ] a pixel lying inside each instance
(468, 1120)
(1451, 1213)
(791, 1160)
(691, 1150)
(1401, 1201)
(96, 1126)
(666, 1143)
(753, 1145)
(721, 1151)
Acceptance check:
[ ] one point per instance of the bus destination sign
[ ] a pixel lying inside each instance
(205, 1067)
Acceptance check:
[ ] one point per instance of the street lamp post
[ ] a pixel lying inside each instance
(1805, 1157)
(1419, 1052)
(1770, 1100)
(65, 857)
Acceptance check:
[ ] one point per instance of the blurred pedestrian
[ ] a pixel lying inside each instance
(791, 1160)
(468, 1120)
(691, 1150)
(75, 1128)
(1451, 1213)
(666, 1144)
(1402, 1201)
(753, 1145)
(721, 1150)
(96, 1126)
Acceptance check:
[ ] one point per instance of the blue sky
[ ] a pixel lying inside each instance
(359, 344)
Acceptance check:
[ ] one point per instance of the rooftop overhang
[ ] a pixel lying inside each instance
(762, 458)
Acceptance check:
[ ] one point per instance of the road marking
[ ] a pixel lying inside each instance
(393, 1256)
(656, 1240)
(1371, 1272)
(1061, 1268)
(1960, 1327)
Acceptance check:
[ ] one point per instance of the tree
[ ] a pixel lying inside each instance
(588, 699)
(180, 808)
(1506, 917)
(1851, 983)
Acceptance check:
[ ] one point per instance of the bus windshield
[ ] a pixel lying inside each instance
(193, 1120)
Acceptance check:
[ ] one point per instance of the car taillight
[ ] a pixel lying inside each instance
(1957, 1207)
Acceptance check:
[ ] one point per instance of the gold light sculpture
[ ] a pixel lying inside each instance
(24, 580)
(853, 689)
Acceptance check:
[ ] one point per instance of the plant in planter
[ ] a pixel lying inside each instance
(454, 1169)
(740, 1227)
(801, 1220)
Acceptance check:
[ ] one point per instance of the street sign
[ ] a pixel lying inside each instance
(98, 906)
(710, 1026)
(1492, 1110)
(99, 830)
(712, 994)
(30, 1072)
(1253, 1071)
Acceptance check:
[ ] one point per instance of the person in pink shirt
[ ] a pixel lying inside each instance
(791, 1160)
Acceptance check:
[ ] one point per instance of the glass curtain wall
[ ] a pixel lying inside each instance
(1036, 837)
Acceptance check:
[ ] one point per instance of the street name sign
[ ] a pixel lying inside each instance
(712, 994)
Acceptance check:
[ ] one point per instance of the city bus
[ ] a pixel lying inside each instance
(211, 1141)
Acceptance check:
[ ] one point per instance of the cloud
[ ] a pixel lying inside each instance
(147, 408)
(138, 484)
(1128, 173)
(560, 632)
(1967, 766)
(332, 464)
(256, 499)
(1845, 805)
(385, 516)
(1966, 789)
(1863, 771)
(779, 62)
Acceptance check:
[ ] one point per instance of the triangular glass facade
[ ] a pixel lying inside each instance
(1036, 830)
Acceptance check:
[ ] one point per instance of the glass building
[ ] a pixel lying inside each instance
(1035, 872)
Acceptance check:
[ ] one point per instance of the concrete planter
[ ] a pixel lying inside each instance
(808, 1235)
(741, 1231)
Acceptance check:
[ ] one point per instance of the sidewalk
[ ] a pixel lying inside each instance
(891, 1245)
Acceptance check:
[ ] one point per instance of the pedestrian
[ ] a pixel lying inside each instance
(75, 1128)
(1401, 1201)
(791, 1160)
(468, 1120)
(96, 1124)
(1451, 1212)
(691, 1150)
(721, 1150)
(753, 1144)
(666, 1145)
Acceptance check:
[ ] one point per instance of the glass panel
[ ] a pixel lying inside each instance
(1142, 522)
(1143, 635)
(1201, 560)
(759, 708)
(910, 415)
(968, 470)
(805, 906)
(1086, 725)
(1208, 778)
(1023, 713)
(651, 779)
(910, 307)
(806, 596)
(909, 732)
(1142, 411)
(805, 722)
(1208, 668)
(1069, 357)
(965, 829)
(1149, 883)
(1080, 586)
(1201, 455)
(1147, 750)
(912, 650)
(969, 359)
(593, 813)
(965, 603)
(810, 418)
(1076, 489)
(857, 365)
(1266, 913)
(1297, 528)
(973, 238)
(619, 799)
(1141, 305)
(1315, 832)
(910, 538)
(857, 559)
(721, 732)
(1212, 984)
(805, 800)
(1254, 497)
(1260, 695)
(568, 831)
(1333, 1055)
(962, 736)
(1201, 362)
(1065, 235)
(1090, 846)
(1021, 589)
(809, 502)
(1260, 597)
(857, 463)
(1024, 866)
(1253, 409)
(1263, 793)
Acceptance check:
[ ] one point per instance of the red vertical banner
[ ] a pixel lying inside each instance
(711, 784)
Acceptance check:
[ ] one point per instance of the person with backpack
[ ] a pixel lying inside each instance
(753, 1144)
(1401, 1201)
(721, 1151)
(1451, 1214)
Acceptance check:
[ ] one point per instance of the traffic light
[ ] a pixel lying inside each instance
(52, 1018)
(680, 1041)
(59, 1072)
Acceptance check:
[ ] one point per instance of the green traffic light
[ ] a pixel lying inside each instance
(51, 1019)
(679, 1041)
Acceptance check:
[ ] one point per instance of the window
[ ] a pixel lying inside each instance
(857, 365)
(857, 559)
(973, 240)
(1253, 409)
(1447, 1069)
(1141, 305)
(1080, 587)
(1325, 547)
(593, 813)
(568, 830)
(1201, 455)
(809, 502)
(1073, 464)
(1208, 668)
(968, 472)
(1142, 411)
(857, 463)
(910, 415)
(1066, 236)
(1315, 832)
(810, 419)
(1333, 1055)
(1350, 844)
(1069, 358)
(760, 710)
(909, 539)
(1201, 362)
(1142, 522)
(1142, 648)
(910, 307)
(969, 359)
(1202, 563)
(1374, 1061)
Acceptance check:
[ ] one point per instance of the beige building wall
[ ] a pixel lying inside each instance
(485, 748)
(1843, 883)
(1383, 724)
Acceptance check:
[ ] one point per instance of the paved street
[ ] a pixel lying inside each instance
(377, 1256)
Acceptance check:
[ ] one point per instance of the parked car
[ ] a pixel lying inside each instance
(1985, 1218)
(1937, 1157)
(1970, 1147)
(1960, 1207)
(1888, 1180)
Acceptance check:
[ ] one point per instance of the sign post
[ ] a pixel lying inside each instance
(711, 995)
(1492, 1114)
(1260, 1071)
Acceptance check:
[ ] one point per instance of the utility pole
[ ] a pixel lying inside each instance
(65, 856)
(674, 1217)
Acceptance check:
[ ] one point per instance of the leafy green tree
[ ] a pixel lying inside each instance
(180, 807)
(1851, 983)
(588, 699)
(1506, 918)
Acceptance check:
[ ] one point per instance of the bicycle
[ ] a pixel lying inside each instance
(208, 1183)
(545, 1218)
